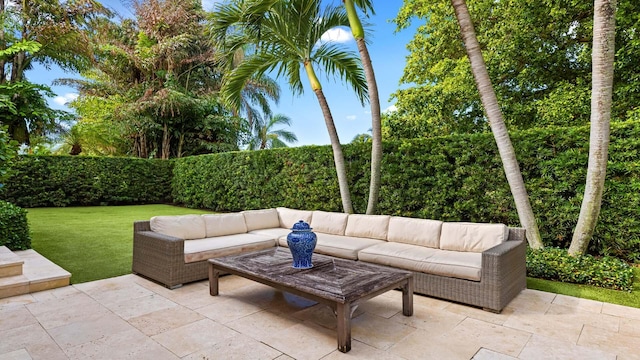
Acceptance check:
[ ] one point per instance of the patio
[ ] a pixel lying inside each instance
(129, 317)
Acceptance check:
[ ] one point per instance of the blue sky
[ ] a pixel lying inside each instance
(388, 54)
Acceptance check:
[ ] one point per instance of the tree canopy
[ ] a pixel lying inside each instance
(48, 32)
(160, 75)
(538, 53)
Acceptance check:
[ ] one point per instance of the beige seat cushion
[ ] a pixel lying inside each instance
(183, 227)
(329, 222)
(346, 247)
(367, 226)
(224, 224)
(288, 217)
(204, 249)
(261, 219)
(423, 232)
(275, 233)
(474, 237)
(462, 265)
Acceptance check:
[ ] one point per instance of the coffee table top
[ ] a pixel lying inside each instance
(330, 278)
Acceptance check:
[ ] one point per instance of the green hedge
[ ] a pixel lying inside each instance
(454, 178)
(556, 264)
(14, 228)
(43, 181)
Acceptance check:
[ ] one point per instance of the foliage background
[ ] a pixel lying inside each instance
(538, 54)
(14, 228)
(45, 181)
(453, 178)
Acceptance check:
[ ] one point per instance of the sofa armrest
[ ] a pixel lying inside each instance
(504, 265)
(157, 256)
(141, 225)
(150, 242)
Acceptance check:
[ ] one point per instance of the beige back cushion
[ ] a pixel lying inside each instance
(367, 226)
(472, 237)
(224, 224)
(329, 222)
(186, 227)
(288, 217)
(261, 219)
(423, 232)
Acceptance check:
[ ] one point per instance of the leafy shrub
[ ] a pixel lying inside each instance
(40, 181)
(452, 178)
(557, 264)
(14, 228)
(8, 151)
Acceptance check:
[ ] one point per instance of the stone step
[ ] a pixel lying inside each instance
(38, 274)
(10, 263)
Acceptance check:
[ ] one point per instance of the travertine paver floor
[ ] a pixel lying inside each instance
(129, 317)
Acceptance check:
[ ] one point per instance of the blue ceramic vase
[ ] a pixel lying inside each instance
(301, 241)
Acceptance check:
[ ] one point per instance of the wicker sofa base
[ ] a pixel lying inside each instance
(161, 259)
(503, 278)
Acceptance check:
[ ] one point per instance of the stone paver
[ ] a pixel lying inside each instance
(129, 317)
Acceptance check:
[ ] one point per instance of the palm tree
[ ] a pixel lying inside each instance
(258, 91)
(374, 100)
(498, 127)
(604, 35)
(287, 35)
(266, 137)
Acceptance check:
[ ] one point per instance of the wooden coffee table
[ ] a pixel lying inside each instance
(341, 284)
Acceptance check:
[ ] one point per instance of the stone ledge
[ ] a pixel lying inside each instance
(38, 274)
(10, 263)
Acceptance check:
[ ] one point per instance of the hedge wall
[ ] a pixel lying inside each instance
(455, 178)
(14, 227)
(42, 181)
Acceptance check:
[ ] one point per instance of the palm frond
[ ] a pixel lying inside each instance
(347, 65)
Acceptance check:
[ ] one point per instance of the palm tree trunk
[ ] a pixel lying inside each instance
(3, 45)
(374, 101)
(376, 125)
(166, 142)
(338, 157)
(603, 55)
(180, 144)
(498, 127)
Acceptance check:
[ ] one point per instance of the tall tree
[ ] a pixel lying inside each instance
(286, 35)
(162, 77)
(603, 54)
(498, 127)
(538, 55)
(255, 97)
(266, 136)
(374, 99)
(46, 32)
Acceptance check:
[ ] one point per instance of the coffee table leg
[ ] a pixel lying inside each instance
(213, 280)
(407, 298)
(343, 314)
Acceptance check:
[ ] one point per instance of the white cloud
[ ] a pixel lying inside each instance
(64, 99)
(390, 109)
(351, 117)
(339, 35)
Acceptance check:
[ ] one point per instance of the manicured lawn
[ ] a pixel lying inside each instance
(591, 292)
(91, 242)
(96, 243)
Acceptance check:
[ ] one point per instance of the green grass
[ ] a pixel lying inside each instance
(96, 243)
(93, 242)
(591, 292)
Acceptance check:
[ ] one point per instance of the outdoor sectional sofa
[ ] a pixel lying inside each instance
(477, 264)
